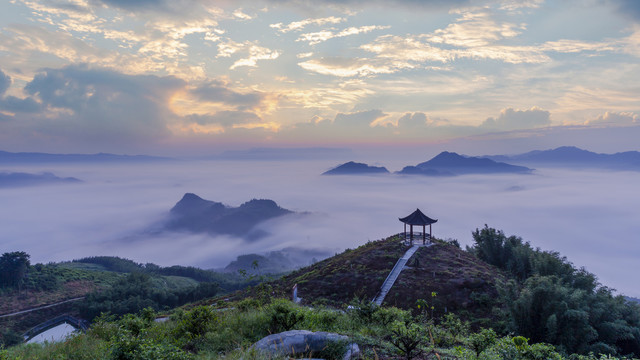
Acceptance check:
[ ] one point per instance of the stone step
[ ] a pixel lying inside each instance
(394, 274)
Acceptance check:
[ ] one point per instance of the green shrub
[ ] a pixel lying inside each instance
(482, 340)
(139, 348)
(406, 337)
(283, 316)
(321, 320)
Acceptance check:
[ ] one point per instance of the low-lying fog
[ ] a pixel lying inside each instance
(591, 217)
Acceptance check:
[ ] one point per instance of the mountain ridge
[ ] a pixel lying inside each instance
(38, 157)
(452, 164)
(195, 214)
(571, 156)
(20, 179)
(355, 168)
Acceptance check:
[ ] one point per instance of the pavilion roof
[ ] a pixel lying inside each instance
(418, 218)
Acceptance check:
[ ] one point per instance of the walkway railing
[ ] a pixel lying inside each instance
(393, 275)
(76, 323)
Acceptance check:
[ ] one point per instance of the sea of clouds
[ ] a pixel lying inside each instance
(589, 216)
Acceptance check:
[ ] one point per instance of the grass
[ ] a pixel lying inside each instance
(203, 334)
(360, 273)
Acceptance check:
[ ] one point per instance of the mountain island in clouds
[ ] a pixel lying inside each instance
(354, 168)
(18, 179)
(571, 156)
(36, 157)
(452, 164)
(195, 214)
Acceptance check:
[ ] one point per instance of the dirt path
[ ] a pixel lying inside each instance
(41, 307)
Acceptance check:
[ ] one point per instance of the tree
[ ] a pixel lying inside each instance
(406, 337)
(13, 268)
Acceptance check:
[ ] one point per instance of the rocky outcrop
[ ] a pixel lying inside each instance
(304, 342)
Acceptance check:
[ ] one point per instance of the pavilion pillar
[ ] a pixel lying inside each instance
(411, 233)
(424, 234)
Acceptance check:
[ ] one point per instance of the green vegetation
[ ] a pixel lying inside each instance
(137, 291)
(13, 268)
(206, 333)
(549, 300)
(501, 299)
(108, 284)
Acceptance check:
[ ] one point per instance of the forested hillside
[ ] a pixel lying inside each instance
(501, 298)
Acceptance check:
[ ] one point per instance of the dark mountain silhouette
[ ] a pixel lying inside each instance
(632, 299)
(354, 168)
(195, 214)
(17, 179)
(24, 157)
(450, 164)
(571, 156)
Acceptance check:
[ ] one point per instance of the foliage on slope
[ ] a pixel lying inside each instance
(461, 281)
(204, 333)
(109, 284)
(549, 299)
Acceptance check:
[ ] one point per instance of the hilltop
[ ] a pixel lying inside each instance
(195, 214)
(354, 168)
(452, 164)
(492, 288)
(460, 280)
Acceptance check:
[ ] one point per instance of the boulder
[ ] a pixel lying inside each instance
(301, 342)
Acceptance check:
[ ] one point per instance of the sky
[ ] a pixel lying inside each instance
(193, 77)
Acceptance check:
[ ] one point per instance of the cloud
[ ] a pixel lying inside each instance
(511, 119)
(474, 29)
(97, 106)
(241, 15)
(134, 5)
(321, 36)
(351, 4)
(360, 119)
(12, 103)
(415, 120)
(256, 53)
(136, 36)
(101, 216)
(299, 25)
(5, 82)
(516, 5)
(178, 10)
(251, 50)
(614, 118)
(346, 67)
(226, 119)
(219, 92)
(17, 105)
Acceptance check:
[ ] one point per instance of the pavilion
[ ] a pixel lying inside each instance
(419, 219)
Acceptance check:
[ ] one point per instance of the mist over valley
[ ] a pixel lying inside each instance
(589, 216)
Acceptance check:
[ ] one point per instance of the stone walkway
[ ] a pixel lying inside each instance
(395, 272)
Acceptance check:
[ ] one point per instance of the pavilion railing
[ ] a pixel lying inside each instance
(416, 236)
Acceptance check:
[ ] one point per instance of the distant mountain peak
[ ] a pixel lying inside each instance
(355, 168)
(195, 214)
(571, 156)
(450, 163)
(19, 179)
